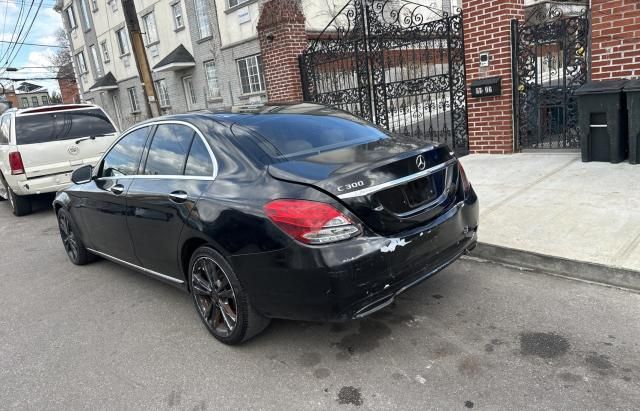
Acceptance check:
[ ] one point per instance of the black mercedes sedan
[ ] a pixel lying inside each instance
(299, 212)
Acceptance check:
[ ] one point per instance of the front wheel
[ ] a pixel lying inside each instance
(221, 302)
(75, 249)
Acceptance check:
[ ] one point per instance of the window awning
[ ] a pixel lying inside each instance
(178, 59)
(106, 82)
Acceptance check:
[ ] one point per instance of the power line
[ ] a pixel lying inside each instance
(28, 31)
(15, 29)
(24, 23)
(34, 44)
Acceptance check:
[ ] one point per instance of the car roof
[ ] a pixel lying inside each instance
(240, 114)
(53, 108)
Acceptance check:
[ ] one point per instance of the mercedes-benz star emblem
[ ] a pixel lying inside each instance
(421, 163)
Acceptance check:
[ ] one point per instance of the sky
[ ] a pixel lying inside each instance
(42, 32)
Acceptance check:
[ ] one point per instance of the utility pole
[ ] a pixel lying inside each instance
(137, 47)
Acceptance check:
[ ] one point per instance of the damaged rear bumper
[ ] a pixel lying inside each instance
(355, 278)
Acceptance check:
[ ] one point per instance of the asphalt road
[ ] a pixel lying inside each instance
(478, 335)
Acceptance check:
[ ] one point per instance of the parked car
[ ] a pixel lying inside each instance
(40, 147)
(298, 212)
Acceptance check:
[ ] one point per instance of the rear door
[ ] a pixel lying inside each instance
(56, 141)
(178, 168)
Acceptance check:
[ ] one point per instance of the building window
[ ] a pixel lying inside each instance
(233, 3)
(251, 74)
(85, 14)
(114, 5)
(176, 9)
(82, 65)
(133, 100)
(123, 44)
(96, 60)
(25, 102)
(163, 93)
(34, 101)
(45, 100)
(105, 52)
(149, 27)
(94, 5)
(202, 18)
(213, 90)
(71, 18)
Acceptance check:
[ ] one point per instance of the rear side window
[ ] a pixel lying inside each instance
(124, 157)
(169, 149)
(294, 135)
(62, 125)
(199, 161)
(5, 129)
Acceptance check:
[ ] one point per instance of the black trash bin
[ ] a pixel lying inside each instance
(632, 90)
(602, 120)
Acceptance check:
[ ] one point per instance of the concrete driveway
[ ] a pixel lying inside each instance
(478, 335)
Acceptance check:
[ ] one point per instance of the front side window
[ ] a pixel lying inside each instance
(105, 52)
(123, 43)
(85, 14)
(96, 60)
(150, 31)
(178, 22)
(251, 74)
(133, 99)
(199, 161)
(82, 65)
(62, 125)
(168, 150)
(124, 157)
(202, 18)
(163, 93)
(213, 90)
(71, 18)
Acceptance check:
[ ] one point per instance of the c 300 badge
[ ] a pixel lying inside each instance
(73, 150)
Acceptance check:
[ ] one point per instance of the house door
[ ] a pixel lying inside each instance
(189, 93)
(116, 105)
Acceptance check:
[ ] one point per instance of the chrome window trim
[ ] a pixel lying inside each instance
(177, 176)
(397, 182)
(137, 267)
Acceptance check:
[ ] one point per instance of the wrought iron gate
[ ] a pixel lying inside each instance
(550, 63)
(397, 63)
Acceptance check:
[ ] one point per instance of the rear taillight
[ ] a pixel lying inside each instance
(15, 162)
(311, 222)
(466, 185)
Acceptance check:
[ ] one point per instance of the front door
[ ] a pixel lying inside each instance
(189, 93)
(177, 170)
(102, 206)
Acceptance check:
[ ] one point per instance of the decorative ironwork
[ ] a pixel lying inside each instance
(550, 64)
(397, 63)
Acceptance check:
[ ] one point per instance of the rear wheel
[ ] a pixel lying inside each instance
(221, 302)
(21, 205)
(73, 246)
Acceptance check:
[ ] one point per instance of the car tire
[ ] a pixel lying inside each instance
(221, 302)
(21, 205)
(73, 246)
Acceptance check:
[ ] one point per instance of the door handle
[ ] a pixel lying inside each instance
(178, 196)
(117, 189)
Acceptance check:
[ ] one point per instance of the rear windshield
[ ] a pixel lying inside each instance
(298, 135)
(62, 125)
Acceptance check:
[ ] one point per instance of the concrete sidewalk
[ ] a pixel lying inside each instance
(555, 205)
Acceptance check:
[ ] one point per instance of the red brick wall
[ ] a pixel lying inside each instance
(281, 30)
(615, 44)
(69, 91)
(487, 29)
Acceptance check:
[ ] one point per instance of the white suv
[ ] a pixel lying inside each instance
(40, 147)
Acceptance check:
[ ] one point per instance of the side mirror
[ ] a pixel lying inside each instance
(82, 175)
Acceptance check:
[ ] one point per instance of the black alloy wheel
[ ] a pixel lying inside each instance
(73, 246)
(219, 299)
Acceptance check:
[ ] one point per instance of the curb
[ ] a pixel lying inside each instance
(598, 273)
